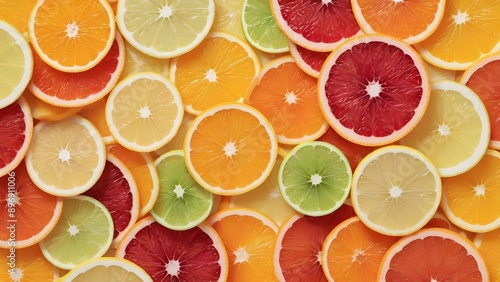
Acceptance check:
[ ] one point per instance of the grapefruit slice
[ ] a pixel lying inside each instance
(309, 61)
(197, 254)
(373, 89)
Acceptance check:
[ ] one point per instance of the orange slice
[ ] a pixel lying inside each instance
(17, 13)
(43, 111)
(84, 30)
(96, 114)
(28, 264)
(488, 243)
(230, 149)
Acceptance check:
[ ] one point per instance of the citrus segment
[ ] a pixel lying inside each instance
(197, 254)
(230, 149)
(395, 190)
(84, 231)
(167, 29)
(250, 254)
(17, 13)
(107, 269)
(309, 61)
(488, 243)
(315, 178)
(96, 114)
(219, 70)
(28, 264)
(66, 157)
(288, 98)
(43, 111)
(373, 89)
(144, 112)
(454, 131)
(84, 30)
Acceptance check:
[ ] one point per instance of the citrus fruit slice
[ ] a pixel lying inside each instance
(488, 243)
(228, 17)
(353, 252)
(177, 141)
(480, 77)
(117, 191)
(261, 29)
(27, 264)
(16, 64)
(107, 269)
(43, 111)
(460, 38)
(136, 61)
(230, 149)
(66, 157)
(144, 122)
(17, 13)
(266, 198)
(471, 200)
(373, 89)
(78, 236)
(454, 131)
(63, 89)
(406, 20)
(315, 178)
(316, 25)
(96, 114)
(31, 212)
(196, 254)
(395, 190)
(167, 29)
(250, 253)
(84, 30)
(291, 106)
(433, 254)
(437, 74)
(144, 173)
(182, 203)
(16, 127)
(219, 70)
(309, 61)
(300, 240)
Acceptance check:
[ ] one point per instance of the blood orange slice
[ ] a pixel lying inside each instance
(196, 254)
(309, 61)
(373, 89)
(16, 129)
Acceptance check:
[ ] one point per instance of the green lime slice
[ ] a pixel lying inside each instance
(182, 203)
(260, 28)
(84, 231)
(315, 178)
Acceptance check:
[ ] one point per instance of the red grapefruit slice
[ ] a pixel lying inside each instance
(319, 25)
(373, 89)
(309, 61)
(196, 254)
(16, 129)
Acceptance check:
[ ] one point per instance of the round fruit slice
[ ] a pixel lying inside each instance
(177, 142)
(291, 106)
(459, 40)
(260, 27)
(16, 128)
(66, 157)
(309, 61)
(77, 236)
(32, 212)
(136, 61)
(27, 264)
(84, 31)
(167, 29)
(107, 269)
(251, 252)
(17, 13)
(96, 114)
(43, 111)
(353, 252)
(196, 254)
(300, 240)
(144, 173)
(411, 21)
(454, 131)
(433, 254)
(144, 112)
(395, 190)
(117, 191)
(472, 200)
(63, 89)
(373, 89)
(228, 17)
(182, 203)
(315, 178)
(219, 70)
(480, 77)
(488, 243)
(316, 25)
(230, 149)
(16, 64)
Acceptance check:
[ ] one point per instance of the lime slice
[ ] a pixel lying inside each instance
(315, 178)
(182, 203)
(84, 231)
(260, 28)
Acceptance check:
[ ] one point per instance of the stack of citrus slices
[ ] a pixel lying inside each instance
(249, 140)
